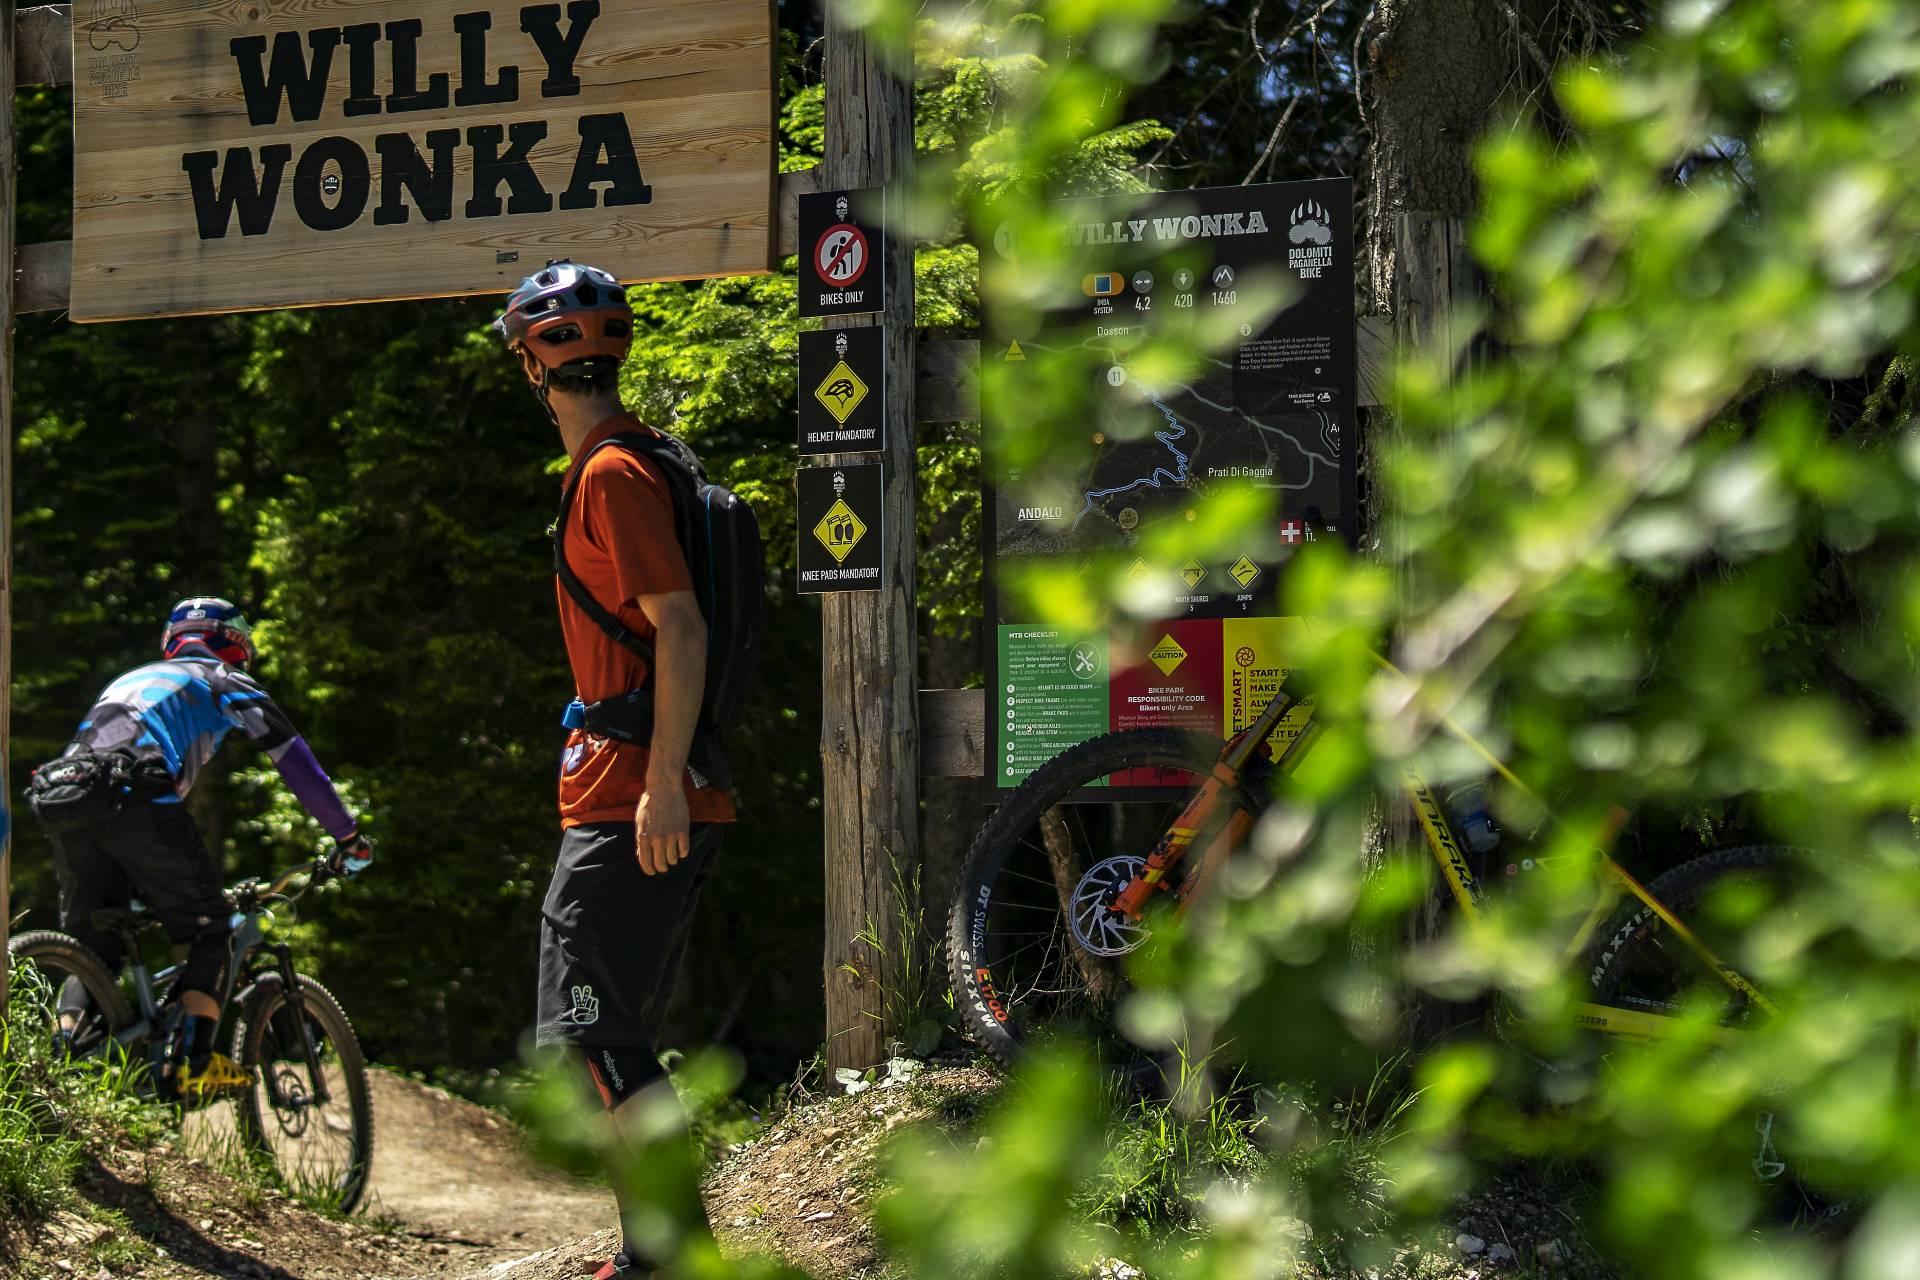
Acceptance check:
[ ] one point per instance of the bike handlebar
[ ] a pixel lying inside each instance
(317, 870)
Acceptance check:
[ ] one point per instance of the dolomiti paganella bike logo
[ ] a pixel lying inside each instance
(1311, 234)
(113, 34)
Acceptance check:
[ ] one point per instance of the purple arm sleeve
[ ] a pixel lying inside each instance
(312, 788)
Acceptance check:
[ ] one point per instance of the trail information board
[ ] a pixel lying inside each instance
(1273, 408)
(235, 156)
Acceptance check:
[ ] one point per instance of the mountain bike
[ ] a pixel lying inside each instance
(307, 1111)
(1056, 892)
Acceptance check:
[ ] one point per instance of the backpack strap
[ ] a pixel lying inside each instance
(676, 465)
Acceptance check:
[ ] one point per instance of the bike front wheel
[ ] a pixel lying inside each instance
(1031, 948)
(310, 1113)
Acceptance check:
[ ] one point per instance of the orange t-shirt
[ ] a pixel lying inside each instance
(621, 544)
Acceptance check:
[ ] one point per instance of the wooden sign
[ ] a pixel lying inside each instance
(259, 153)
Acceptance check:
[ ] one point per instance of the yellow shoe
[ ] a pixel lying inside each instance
(220, 1078)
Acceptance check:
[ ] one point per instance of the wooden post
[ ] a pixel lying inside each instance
(9, 160)
(869, 720)
(1434, 290)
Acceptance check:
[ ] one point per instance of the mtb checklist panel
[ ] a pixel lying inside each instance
(1261, 278)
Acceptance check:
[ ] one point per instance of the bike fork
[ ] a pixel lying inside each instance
(297, 1006)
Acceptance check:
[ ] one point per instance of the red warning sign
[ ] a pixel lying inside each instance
(841, 256)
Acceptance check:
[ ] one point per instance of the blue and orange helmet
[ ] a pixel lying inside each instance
(216, 624)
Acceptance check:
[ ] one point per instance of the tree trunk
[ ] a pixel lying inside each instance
(1438, 70)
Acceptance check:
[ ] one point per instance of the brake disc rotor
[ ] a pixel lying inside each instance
(1096, 927)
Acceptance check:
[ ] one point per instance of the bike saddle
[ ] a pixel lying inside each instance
(119, 920)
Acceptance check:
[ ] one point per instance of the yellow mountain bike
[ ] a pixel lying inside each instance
(1057, 892)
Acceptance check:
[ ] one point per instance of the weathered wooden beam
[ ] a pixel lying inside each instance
(41, 273)
(946, 380)
(9, 164)
(869, 687)
(43, 45)
(1375, 359)
(953, 733)
(792, 186)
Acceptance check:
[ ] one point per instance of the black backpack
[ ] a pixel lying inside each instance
(721, 540)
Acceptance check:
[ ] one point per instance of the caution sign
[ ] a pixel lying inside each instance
(842, 247)
(843, 375)
(840, 528)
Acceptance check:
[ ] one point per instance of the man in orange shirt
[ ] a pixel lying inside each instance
(640, 828)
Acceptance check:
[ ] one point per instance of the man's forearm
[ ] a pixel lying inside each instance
(679, 684)
(312, 788)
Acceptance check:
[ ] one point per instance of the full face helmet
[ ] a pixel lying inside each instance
(209, 621)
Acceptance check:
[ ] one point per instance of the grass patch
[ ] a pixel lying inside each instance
(121, 1245)
(52, 1111)
(1163, 1154)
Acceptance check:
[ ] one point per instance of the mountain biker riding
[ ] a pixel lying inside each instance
(640, 828)
(162, 723)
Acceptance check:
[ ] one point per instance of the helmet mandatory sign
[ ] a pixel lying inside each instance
(840, 527)
(843, 379)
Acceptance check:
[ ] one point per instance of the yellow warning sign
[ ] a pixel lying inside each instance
(840, 530)
(841, 392)
(1192, 572)
(1138, 570)
(1244, 571)
(1167, 654)
(1014, 352)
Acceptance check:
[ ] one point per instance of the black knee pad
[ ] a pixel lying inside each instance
(620, 1073)
(206, 966)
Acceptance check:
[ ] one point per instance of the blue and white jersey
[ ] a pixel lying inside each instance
(179, 710)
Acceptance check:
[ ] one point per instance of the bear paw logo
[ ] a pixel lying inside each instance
(113, 26)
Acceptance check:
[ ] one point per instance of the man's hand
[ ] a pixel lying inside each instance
(661, 825)
(351, 856)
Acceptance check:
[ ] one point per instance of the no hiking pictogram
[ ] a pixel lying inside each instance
(841, 255)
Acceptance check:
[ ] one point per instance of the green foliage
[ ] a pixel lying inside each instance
(52, 1111)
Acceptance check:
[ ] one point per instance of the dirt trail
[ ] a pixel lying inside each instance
(454, 1194)
(456, 1174)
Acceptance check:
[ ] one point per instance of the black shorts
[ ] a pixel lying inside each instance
(150, 851)
(611, 936)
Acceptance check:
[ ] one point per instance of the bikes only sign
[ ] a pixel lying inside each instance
(229, 157)
(841, 272)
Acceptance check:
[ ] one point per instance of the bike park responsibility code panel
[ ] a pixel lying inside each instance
(1058, 688)
(1259, 278)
